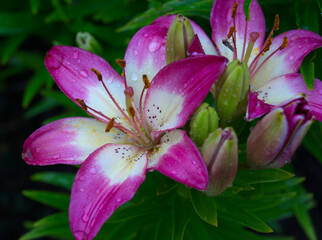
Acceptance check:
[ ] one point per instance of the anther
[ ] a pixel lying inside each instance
(146, 81)
(276, 23)
(234, 10)
(132, 111)
(121, 63)
(82, 103)
(285, 43)
(231, 32)
(253, 36)
(98, 74)
(110, 125)
(227, 44)
(268, 45)
(129, 92)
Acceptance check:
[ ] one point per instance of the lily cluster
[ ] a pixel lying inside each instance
(168, 69)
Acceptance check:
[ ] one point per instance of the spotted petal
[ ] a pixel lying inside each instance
(179, 88)
(71, 68)
(287, 60)
(221, 21)
(146, 51)
(178, 157)
(106, 180)
(68, 141)
(287, 87)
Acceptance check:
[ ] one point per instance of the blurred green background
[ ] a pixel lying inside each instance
(29, 97)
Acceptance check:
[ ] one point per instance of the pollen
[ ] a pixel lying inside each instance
(110, 125)
(146, 81)
(276, 23)
(98, 74)
(132, 111)
(268, 45)
(81, 103)
(234, 10)
(285, 43)
(121, 63)
(231, 32)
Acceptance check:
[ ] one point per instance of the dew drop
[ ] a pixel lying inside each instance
(82, 179)
(320, 92)
(85, 217)
(300, 46)
(154, 46)
(194, 163)
(134, 76)
(53, 62)
(118, 200)
(81, 189)
(135, 52)
(98, 191)
(291, 57)
(92, 171)
(78, 60)
(174, 172)
(145, 35)
(56, 156)
(37, 150)
(83, 73)
(75, 55)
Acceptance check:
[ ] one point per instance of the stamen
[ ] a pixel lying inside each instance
(234, 10)
(132, 111)
(284, 44)
(129, 92)
(98, 74)
(121, 63)
(82, 103)
(227, 44)
(110, 125)
(267, 45)
(146, 81)
(252, 39)
(276, 23)
(231, 32)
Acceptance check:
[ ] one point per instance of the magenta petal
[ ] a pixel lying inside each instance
(178, 158)
(256, 107)
(287, 60)
(179, 88)
(68, 141)
(71, 68)
(221, 21)
(195, 48)
(287, 87)
(108, 178)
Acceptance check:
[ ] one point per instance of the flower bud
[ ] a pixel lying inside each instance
(220, 153)
(275, 138)
(231, 91)
(87, 42)
(204, 121)
(179, 38)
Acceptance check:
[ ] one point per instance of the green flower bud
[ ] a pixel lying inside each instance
(87, 42)
(204, 121)
(231, 91)
(179, 38)
(220, 153)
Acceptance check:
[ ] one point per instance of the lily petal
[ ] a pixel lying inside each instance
(178, 89)
(221, 21)
(178, 158)
(71, 68)
(68, 141)
(288, 86)
(146, 52)
(108, 178)
(287, 60)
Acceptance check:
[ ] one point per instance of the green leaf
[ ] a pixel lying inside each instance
(319, 2)
(64, 180)
(204, 206)
(303, 217)
(166, 186)
(231, 210)
(10, 46)
(307, 15)
(17, 23)
(55, 231)
(246, 8)
(54, 219)
(53, 199)
(34, 6)
(250, 176)
(307, 71)
(312, 141)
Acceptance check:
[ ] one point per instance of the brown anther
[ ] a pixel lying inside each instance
(227, 44)
(234, 10)
(98, 74)
(146, 81)
(132, 111)
(82, 103)
(268, 45)
(110, 125)
(276, 23)
(121, 63)
(285, 43)
(231, 32)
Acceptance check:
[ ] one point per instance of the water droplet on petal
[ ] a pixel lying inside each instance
(134, 76)
(135, 52)
(56, 156)
(37, 150)
(145, 35)
(194, 163)
(174, 172)
(118, 200)
(300, 46)
(320, 92)
(75, 55)
(154, 45)
(92, 171)
(81, 189)
(291, 57)
(83, 73)
(78, 60)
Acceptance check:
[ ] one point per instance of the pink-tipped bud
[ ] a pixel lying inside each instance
(275, 138)
(220, 153)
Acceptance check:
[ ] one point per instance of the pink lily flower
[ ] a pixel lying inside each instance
(136, 123)
(273, 63)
